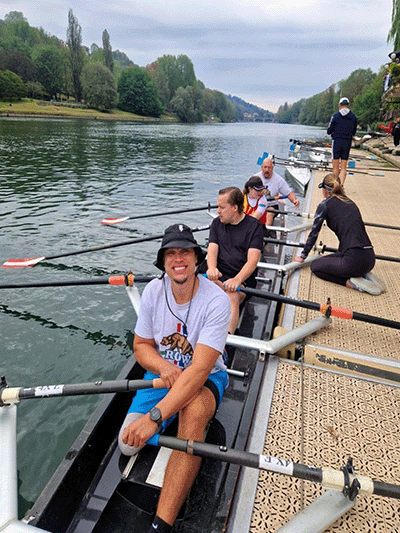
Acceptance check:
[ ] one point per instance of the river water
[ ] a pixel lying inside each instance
(58, 180)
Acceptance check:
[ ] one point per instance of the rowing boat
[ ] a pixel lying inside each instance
(93, 491)
(301, 174)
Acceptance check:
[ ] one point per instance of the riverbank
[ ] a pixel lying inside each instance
(33, 108)
(384, 148)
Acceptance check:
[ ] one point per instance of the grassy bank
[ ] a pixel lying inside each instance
(29, 107)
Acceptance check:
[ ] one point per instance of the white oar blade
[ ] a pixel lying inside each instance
(113, 220)
(19, 263)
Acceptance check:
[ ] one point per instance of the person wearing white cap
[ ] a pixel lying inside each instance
(342, 128)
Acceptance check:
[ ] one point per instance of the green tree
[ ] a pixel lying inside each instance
(107, 51)
(367, 105)
(186, 104)
(11, 86)
(208, 102)
(355, 83)
(308, 114)
(137, 93)
(179, 72)
(161, 82)
(34, 89)
(326, 106)
(224, 110)
(19, 63)
(74, 42)
(99, 87)
(48, 60)
(394, 32)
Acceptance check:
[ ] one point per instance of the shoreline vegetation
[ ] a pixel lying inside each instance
(28, 107)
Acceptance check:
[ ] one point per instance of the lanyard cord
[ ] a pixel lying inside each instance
(184, 322)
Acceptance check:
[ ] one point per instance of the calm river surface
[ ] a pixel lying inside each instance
(58, 180)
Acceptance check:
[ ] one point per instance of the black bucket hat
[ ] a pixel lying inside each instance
(178, 236)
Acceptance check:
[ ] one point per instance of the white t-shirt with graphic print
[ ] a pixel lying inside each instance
(206, 320)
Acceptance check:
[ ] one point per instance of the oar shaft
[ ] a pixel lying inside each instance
(327, 477)
(117, 244)
(334, 310)
(307, 215)
(108, 280)
(18, 263)
(162, 213)
(377, 256)
(324, 248)
(13, 395)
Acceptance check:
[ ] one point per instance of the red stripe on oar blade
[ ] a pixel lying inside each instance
(113, 220)
(19, 263)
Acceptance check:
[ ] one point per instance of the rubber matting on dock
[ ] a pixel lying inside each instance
(320, 418)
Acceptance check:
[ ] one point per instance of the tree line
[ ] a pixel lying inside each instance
(363, 88)
(38, 65)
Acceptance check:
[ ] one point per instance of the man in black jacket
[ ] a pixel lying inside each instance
(342, 128)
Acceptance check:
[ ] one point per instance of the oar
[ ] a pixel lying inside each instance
(323, 248)
(18, 263)
(278, 197)
(315, 165)
(16, 394)
(366, 172)
(352, 164)
(345, 479)
(309, 215)
(115, 220)
(122, 279)
(325, 308)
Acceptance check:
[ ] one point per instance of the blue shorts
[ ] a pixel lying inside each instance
(341, 149)
(146, 399)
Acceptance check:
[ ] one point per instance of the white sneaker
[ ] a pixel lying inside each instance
(364, 285)
(376, 281)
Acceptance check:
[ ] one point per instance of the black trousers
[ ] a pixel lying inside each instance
(339, 267)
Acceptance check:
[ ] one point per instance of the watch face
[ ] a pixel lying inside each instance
(155, 415)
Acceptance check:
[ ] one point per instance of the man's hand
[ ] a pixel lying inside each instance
(299, 259)
(231, 285)
(139, 431)
(170, 374)
(213, 274)
(296, 203)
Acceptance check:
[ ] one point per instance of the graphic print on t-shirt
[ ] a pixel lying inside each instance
(180, 350)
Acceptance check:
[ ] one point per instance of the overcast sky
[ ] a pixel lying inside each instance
(267, 52)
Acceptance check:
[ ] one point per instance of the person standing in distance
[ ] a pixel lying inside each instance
(342, 128)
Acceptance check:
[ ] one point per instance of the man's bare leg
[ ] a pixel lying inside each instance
(182, 468)
(236, 298)
(336, 167)
(343, 170)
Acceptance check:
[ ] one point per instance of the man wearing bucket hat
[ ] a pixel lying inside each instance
(179, 336)
(342, 128)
